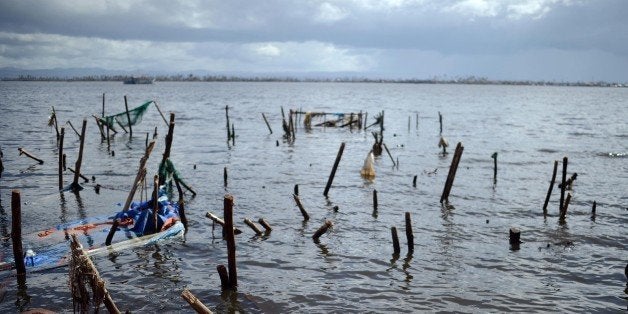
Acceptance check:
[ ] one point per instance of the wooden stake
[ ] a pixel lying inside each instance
(374, 201)
(231, 247)
(409, 234)
(303, 212)
(75, 131)
(267, 124)
(128, 117)
(389, 155)
(112, 231)
(221, 222)
(452, 172)
(563, 212)
(296, 189)
(61, 136)
(414, 181)
(515, 238)
(194, 302)
(169, 138)
(395, 240)
(593, 210)
(225, 176)
(29, 155)
(155, 203)
(224, 276)
(265, 224)
(333, 170)
(54, 115)
(228, 124)
(494, 156)
(75, 184)
(562, 189)
(141, 172)
(551, 187)
(440, 121)
(103, 105)
(322, 230)
(16, 232)
(86, 179)
(181, 202)
(253, 226)
(100, 127)
(160, 113)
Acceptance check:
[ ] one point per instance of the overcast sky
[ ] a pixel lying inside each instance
(562, 40)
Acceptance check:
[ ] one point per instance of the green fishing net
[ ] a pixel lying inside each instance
(134, 117)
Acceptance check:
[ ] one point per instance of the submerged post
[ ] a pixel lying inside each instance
(301, 208)
(494, 156)
(395, 240)
(333, 170)
(16, 232)
(322, 230)
(563, 185)
(374, 201)
(231, 247)
(515, 238)
(75, 184)
(128, 116)
(409, 234)
(551, 187)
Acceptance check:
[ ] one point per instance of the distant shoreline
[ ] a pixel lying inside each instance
(192, 78)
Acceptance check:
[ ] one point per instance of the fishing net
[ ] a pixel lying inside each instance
(134, 117)
(169, 172)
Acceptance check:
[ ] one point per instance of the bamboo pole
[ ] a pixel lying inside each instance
(156, 203)
(267, 124)
(128, 116)
(16, 232)
(440, 121)
(160, 113)
(29, 155)
(72, 126)
(322, 230)
(225, 176)
(301, 208)
(194, 302)
(89, 269)
(452, 172)
(231, 246)
(551, 187)
(333, 170)
(79, 160)
(253, 226)
(221, 222)
(141, 172)
(86, 179)
(61, 136)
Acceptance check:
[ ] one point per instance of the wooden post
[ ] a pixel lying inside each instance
(61, 136)
(296, 189)
(515, 238)
(228, 124)
(414, 181)
(100, 128)
(103, 105)
(224, 276)
(494, 156)
(155, 203)
(29, 155)
(374, 201)
(231, 247)
(452, 172)
(562, 189)
(265, 224)
(160, 113)
(1, 165)
(440, 121)
(333, 170)
(395, 240)
(75, 131)
(417, 120)
(267, 124)
(64, 163)
(108, 140)
(80, 174)
(252, 225)
(194, 302)
(54, 116)
(593, 208)
(141, 172)
(563, 212)
(303, 212)
(112, 231)
(16, 232)
(181, 202)
(221, 222)
(409, 234)
(169, 137)
(322, 230)
(128, 116)
(389, 155)
(551, 187)
(75, 184)
(232, 134)
(225, 176)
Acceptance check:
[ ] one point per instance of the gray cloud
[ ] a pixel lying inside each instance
(431, 37)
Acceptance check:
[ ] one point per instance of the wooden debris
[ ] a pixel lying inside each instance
(301, 208)
(265, 224)
(452, 172)
(333, 170)
(231, 247)
(267, 124)
(29, 155)
(16, 232)
(253, 226)
(221, 222)
(322, 230)
(194, 302)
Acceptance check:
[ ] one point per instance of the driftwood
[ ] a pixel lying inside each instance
(31, 156)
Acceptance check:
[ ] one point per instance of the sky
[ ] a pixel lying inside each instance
(550, 40)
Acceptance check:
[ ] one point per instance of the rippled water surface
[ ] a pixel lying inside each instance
(461, 261)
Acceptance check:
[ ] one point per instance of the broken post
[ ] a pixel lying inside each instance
(303, 212)
(593, 208)
(452, 172)
(515, 238)
(194, 302)
(395, 240)
(29, 155)
(112, 231)
(128, 116)
(75, 184)
(80, 175)
(61, 136)
(265, 224)
(409, 234)
(562, 189)
(563, 212)
(224, 276)
(224, 176)
(374, 201)
(322, 230)
(440, 121)
(16, 232)
(253, 226)
(414, 181)
(333, 170)
(267, 124)
(231, 247)
(296, 189)
(551, 187)
(494, 156)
